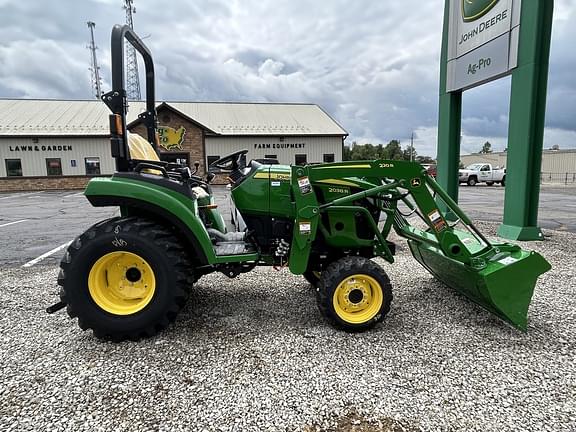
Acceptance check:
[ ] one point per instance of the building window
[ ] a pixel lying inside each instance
(13, 168)
(212, 159)
(271, 157)
(329, 157)
(92, 165)
(300, 159)
(54, 166)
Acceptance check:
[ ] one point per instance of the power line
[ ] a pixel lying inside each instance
(132, 78)
(94, 68)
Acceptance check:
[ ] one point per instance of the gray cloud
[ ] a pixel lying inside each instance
(372, 65)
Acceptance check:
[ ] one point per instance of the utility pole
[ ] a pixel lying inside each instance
(132, 78)
(94, 68)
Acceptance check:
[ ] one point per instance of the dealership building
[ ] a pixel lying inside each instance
(61, 144)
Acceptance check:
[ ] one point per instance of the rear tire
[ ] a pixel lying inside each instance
(489, 183)
(503, 182)
(125, 278)
(354, 294)
(472, 181)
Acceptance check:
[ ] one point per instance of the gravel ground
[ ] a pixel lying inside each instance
(254, 354)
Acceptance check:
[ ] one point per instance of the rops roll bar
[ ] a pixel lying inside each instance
(116, 98)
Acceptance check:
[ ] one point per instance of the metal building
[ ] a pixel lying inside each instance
(557, 165)
(58, 144)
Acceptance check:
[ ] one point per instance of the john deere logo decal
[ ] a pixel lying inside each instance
(171, 138)
(474, 9)
(415, 182)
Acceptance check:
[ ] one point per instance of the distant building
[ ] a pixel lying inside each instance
(554, 162)
(60, 144)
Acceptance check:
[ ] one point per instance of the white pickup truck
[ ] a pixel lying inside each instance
(482, 173)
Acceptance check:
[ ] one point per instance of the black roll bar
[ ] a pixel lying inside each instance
(116, 98)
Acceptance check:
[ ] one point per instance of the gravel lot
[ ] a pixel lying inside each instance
(254, 354)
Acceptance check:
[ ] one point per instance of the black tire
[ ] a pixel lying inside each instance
(338, 273)
(503, 182)
(156, 246)
(489, 183)
(313, 277)
(472, 181)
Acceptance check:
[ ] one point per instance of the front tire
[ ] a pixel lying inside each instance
(354, 294)
(125, 278)
(472, 181)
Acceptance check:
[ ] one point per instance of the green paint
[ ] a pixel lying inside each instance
(504, 286)
(449, 117)
(306, 221)
(526, 125)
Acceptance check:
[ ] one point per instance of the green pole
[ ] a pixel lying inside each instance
(449, 116)
(526, 124)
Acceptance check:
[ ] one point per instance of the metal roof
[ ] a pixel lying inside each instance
(90, 117)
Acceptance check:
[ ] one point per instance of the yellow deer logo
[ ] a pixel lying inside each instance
(171, 138)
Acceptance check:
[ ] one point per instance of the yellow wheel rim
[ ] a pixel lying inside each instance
(121, 283)
(358, 299)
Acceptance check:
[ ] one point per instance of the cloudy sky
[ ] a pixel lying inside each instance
(372, 65)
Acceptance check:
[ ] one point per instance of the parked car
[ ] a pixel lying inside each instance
(431, 170)
(482, 173)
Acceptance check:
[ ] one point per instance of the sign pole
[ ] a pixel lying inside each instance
(526, 124)
(449, 116)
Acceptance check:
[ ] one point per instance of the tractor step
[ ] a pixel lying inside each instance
(233, 248)
(218, 237)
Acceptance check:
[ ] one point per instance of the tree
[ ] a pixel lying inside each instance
(486, 148)
(393, 150)
(406, 154)
(425, 160)
(346, 153)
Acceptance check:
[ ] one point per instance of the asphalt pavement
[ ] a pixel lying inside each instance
(35, 227)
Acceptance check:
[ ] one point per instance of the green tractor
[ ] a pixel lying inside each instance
(129, 276)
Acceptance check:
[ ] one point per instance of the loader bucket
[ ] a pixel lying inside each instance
(504, 286)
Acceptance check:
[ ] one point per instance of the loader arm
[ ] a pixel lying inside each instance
(500, 277)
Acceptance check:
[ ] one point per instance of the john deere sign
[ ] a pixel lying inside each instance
(483, 41)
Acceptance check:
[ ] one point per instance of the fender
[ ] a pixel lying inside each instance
(177, 209)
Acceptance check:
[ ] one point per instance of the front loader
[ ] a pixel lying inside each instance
(129, 276)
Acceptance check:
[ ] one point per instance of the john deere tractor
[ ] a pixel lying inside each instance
(129, 276)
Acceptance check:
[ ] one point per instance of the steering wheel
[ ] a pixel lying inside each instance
(232, 162)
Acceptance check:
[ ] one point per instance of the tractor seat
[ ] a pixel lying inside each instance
(141, 149)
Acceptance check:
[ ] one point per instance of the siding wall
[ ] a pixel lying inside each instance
(33, 158)
(259, 147)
